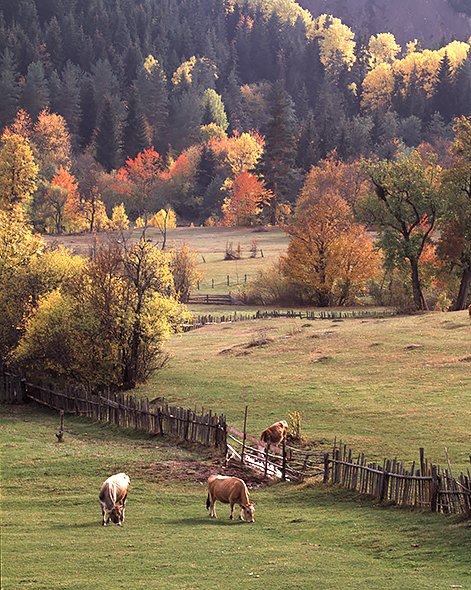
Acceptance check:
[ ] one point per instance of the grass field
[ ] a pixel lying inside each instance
(210, 244)
(386, 386)
(304, 536)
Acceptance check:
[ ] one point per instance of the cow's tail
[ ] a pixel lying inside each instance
(208, 502)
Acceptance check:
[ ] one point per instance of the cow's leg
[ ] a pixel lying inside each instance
(231, 515)
(124, 506)
(212, 508)
(241, 513)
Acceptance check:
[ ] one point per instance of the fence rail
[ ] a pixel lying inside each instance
(204, 319)
(425, 486)
(122, 410)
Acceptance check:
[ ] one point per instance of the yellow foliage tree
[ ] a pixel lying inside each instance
(119, 218)
(378, 87)
(164, 220)
(18, 171)
(382, 48)
(336, 43)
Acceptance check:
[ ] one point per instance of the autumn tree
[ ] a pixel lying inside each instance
(330, 258)
(105, 328)
(138, 180)
(18, 171)
(51, 139)
(61, 203)
(403, 206)
(164, 220)
(245, 204)
(382, 49)
(184, 271)
(336, 44)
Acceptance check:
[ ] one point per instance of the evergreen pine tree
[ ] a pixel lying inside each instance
(213, 110)
(89, 111)
(68, 100)
(9, 88)
(35, 95)
(278, 161)
(107, 144)
(443, 97)
(135, 136)
(152, 86)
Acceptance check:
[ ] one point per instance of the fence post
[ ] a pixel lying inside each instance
(283, 465)
(245, 436)
(265, 471)
(434, 491)
(326, 467)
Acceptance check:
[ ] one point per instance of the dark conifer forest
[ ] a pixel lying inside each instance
(126, 75)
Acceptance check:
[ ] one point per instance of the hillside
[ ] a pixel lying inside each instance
(431, 21)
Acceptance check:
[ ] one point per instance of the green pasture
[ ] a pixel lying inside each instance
(210, 245)
(304, 537)
(384, 386)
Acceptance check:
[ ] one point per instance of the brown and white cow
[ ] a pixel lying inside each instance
(229, 490)
(113, 496)
(276, 433)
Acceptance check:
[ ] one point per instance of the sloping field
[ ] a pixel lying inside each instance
(304, 536)
(210, 245)
(384, 386)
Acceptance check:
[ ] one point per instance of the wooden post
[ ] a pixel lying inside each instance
(326, 467)
(434, 490)
(228, 282)
(283, 465)
(60, 433)
(267, 449)
(244, 437)
(212, 283)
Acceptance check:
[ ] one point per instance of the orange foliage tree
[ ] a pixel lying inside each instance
(330, 259)
(138, 181)
(62, 203)
(245, 204)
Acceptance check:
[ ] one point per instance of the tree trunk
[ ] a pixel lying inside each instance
(462, 298)
(419, 299)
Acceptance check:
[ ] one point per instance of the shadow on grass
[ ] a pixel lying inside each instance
(79, 525)
(203, 521)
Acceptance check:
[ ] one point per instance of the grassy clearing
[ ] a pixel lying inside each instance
(386, 386)
(305, 537)
(210, 243)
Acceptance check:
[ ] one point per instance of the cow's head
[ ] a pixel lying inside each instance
(250, 512)
(117, 515)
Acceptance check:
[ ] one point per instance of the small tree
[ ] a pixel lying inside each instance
(164, 220)
(184, 271)
(119, 219)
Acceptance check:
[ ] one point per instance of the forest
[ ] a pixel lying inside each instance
(119, 114)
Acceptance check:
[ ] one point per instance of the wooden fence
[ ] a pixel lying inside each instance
(285, 462)
(426, 486)
(122, 410)
(12, 388)
(199, 321)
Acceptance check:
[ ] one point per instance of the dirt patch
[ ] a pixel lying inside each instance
(198, 471)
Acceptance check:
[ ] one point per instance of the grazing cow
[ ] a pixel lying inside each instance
(229, 490)
(276, 433)
(113, 495)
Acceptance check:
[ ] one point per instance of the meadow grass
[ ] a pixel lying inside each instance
(209, 243)
(384, 386)
(305, 536)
